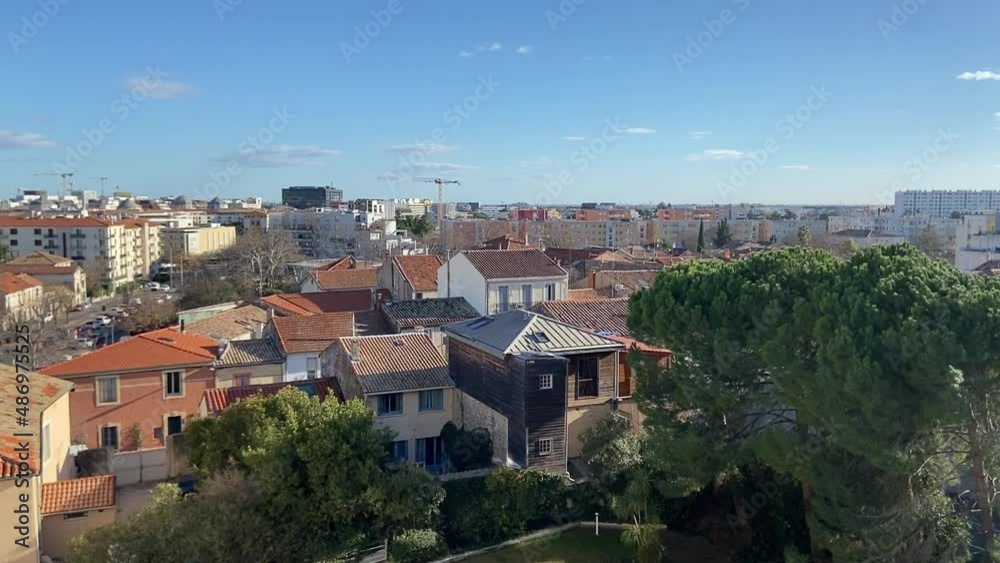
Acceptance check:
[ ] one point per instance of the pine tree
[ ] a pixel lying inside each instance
(701, 237)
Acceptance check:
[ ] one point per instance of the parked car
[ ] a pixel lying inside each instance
(164, 287)
(153, 286)
(84, 342)
(104, 320)
(188, 484)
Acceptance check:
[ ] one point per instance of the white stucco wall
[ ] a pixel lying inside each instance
(296, 364)
(465, 282)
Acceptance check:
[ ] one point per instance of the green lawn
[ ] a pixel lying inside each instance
(578, 545)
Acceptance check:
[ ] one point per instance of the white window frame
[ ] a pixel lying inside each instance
(545, 381)
(544, 446)
(97, 390)
(180, 383)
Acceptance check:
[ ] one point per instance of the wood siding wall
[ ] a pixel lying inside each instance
(545, 413)
(607, 373)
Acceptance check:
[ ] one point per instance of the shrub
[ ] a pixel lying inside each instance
(467, 449)
(416, 546)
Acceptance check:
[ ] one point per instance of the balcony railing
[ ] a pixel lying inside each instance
(77, 235)
(586, 389)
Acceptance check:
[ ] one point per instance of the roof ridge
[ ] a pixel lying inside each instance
(157, 340)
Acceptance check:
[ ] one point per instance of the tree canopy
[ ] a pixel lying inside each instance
(863, 380)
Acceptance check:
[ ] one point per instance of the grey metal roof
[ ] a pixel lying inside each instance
(250, 352)
(517, 332)
(429, 312)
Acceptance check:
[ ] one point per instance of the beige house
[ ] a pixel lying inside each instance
(403, 379)
(72, 507)
(31, 455)
(197, 240)
(51, 270)
(243, 363)
(21, 297)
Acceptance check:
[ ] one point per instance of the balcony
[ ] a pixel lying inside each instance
(77, 235)
(586, 389)
(50, 235)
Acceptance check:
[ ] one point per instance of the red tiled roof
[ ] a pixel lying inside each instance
(600, 315)
(420, 271)
(513, 264)
(332, 280)
(230, 324)
(506, 242)
(217, 400)
(350, 301)
(12, 283)
(396, 362)
(589, 294)
(39, 269)
(40, 258)
(78, 495)
(42, 392)
(17, 222)
(345, 263)
(159, 348)
(313, 333)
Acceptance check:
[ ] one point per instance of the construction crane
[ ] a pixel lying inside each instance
(440, 184)
(66, 178)
(103, 180)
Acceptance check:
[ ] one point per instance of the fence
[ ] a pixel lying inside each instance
(140, 466)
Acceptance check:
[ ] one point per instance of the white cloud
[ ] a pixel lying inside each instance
(799, 167)
(717, 154)
(159, 89)
(491, 47)
(525, 49)
(979, 75)
(639, 131)
(699, 135)
(996, 166)
(444, 166)
(425, 148)
(282, 156)
(575, 138)
(466, 54)
(14, 140)
(496, 46)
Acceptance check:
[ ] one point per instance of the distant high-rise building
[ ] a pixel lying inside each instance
(304, 197)
(945, 203)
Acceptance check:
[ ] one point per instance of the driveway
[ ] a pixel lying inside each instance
(131, 498)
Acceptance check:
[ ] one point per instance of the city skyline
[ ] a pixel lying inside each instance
(719, 103)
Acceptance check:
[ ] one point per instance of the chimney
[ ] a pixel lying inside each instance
(355, 350)
(258, 331)
(182, 326)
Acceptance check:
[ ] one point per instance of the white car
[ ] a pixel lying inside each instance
(104, 320)
(153, 286)
(165, 287)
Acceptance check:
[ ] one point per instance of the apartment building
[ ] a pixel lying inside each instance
(198, 240)
(494, 281)
(110, 252)
(946, 203)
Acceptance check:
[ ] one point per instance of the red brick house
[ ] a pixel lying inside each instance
(154, 379)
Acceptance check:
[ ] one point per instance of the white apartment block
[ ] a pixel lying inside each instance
(110, 252)
(945, 203)
(976, 241)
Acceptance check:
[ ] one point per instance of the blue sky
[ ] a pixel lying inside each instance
(635, 101)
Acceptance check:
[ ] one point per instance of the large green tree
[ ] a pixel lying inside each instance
(723, 234)
(837, 374)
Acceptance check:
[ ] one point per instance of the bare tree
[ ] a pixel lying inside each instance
(261, 258)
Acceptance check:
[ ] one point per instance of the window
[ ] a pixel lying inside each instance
(390, 404)
(420, 296)
(241, 380)
(586, 378)
(173, 384)
(38, 242)
(46, 446)
(107, 390)
(503, 298)
(430, 452)
(526, 296)
(14, 241)
(544, 446)
(13, 232)
(401, 450)
(550, 291)
(38, 231)
(312, 368)
(545, 381)
(175, 425)
(432, 400)
(109, 437)
(75, 516)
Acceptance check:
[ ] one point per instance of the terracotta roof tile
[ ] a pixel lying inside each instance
(333, 280)
(39, 269)
(506, 242)
(42, 392)
(513, 264)
(396, 362)
(420, 271)
(345, 263)
(159, 348)
(350, 301)
(39, 258)
(589, 294)
(606, 316)
(632, 279)
(313, 333)
(229, 324)
(18, 222)
(217, 400)
(12, 283)
(78, 495)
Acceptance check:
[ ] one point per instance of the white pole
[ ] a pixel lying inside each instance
(597, 527)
